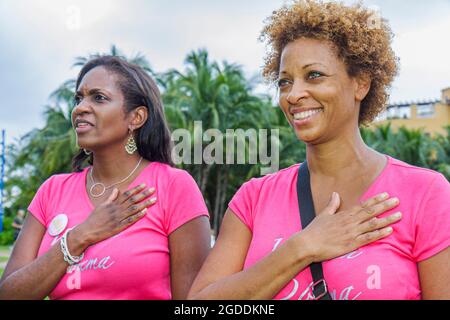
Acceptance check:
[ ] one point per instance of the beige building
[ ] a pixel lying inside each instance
(432, 116)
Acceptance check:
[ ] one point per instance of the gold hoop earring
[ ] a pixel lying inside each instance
(131, 146)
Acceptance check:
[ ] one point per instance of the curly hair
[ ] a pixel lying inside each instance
(362, 39)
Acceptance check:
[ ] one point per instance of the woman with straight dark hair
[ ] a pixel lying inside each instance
(128, 225)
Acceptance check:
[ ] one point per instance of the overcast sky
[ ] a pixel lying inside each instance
(40, 39)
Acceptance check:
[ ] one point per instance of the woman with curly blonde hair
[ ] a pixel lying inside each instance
(333, 65)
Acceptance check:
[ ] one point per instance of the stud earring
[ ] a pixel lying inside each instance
(130, 146)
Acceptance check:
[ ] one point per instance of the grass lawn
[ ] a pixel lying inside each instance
(4, 248)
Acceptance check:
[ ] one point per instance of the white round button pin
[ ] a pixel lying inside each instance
(58, 224)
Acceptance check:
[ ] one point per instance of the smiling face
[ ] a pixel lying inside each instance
(318, 97)
(99, 115)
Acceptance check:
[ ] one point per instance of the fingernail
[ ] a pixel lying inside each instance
(384, 195)
(153, 200)
(389, 229)
(151, 190)
(142, 185)
(143, 211)
(397, 215)
(393, 201)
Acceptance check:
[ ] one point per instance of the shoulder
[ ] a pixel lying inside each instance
(405, 172)
(421, 186)
(281, 177)
(60, 180)
(254, 188)
(52, 192)
(171, 175)
(257, 191)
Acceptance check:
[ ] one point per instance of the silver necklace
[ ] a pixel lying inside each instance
(104, 188)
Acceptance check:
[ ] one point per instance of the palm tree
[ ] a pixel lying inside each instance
(442, 163)
(220, 97)
(138, 59)
(413, 146)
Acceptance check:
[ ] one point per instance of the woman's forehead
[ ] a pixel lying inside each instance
(99, 78)
(309, 48)
(305, 52)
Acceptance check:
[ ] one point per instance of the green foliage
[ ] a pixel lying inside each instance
(7, 235)
(219, 95)
(413, 146)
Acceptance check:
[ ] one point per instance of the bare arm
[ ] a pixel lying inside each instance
(261, 281)
(434, 276)
(328, 236)
(28, 277)
(189, 245)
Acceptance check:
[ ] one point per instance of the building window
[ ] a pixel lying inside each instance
(425, 111)
(398, 112)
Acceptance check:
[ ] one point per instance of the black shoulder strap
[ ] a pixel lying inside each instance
(307, 214)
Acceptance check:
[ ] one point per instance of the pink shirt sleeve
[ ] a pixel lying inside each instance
(184, 201)
(432, 223)
(39, 205)
(244, 202)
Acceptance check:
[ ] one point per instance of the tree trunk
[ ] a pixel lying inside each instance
(205, 169)
(217, 201)
(224, 194)
(198, 175)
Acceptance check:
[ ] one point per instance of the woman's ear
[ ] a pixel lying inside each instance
(362, 86)
(139, 117)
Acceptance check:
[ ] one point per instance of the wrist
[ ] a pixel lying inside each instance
(77, 241)
(303, 248)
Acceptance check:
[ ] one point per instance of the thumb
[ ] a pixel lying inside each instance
(333, 204)
(112, 196)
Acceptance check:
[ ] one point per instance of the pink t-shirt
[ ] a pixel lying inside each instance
(135, 263)
(385, 269)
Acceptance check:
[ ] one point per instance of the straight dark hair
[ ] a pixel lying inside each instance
(139, 89)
